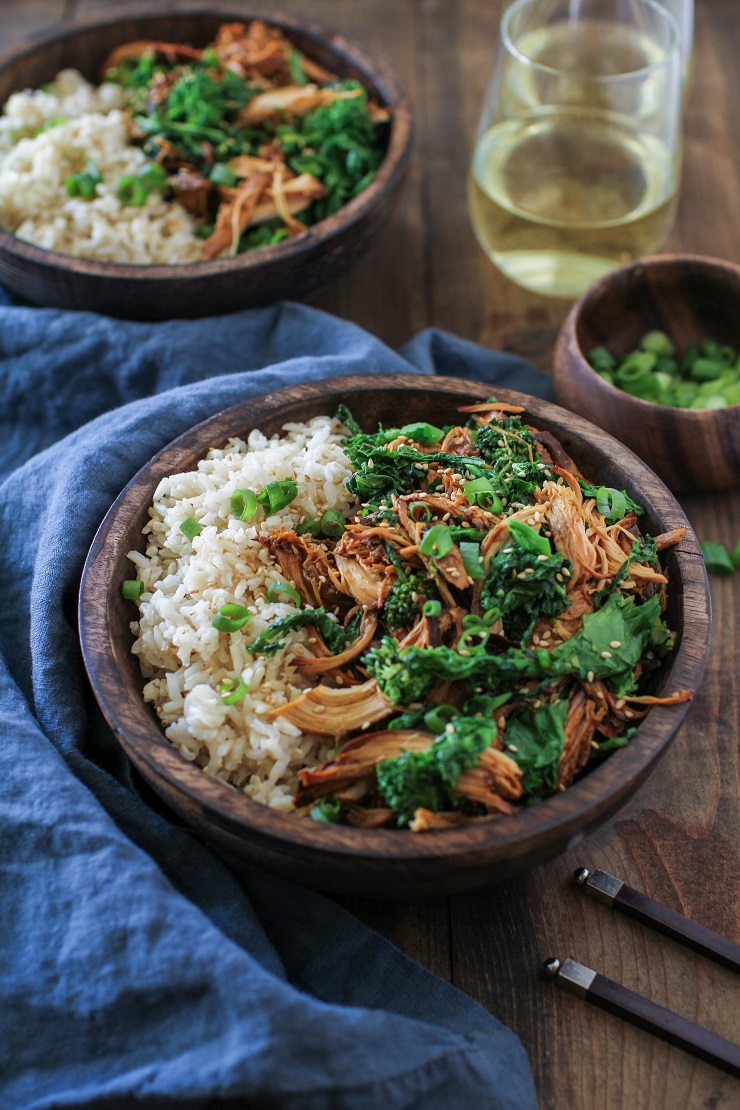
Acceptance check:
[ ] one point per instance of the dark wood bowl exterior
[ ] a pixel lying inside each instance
(289, 270)
(380, 862)
(690, 298)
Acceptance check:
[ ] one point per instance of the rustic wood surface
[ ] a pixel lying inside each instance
(678, 838)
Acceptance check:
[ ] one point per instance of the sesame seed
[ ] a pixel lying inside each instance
(536, 518)
(619, 704)
(508, 550)
(542, 558)
(312, 640)
(319, 709)
(615, 643)
(594, 745)
(559, 577)
(502, 443)
(566, 572)
(512, 747)
(538, 703)
(628, 713)
(590, 676)
(339, 680)
(501, 722)
(370, 464)
(450, 728)
(365, 725)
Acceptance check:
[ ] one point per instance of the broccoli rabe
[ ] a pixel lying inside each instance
(427, 780)
(524, 586)
(401, 610)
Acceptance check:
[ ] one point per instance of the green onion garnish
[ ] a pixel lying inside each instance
(153, 175)
(230, 618)
(190, 528)
(473, 639)
(83, 184)
(437, 542)
(244, 504)
(276, 495)
(421, 432)
(132, 190)
(275, 589)
(327, 811)
(419, 511)
(437, 718)
(481, 492)
(470, 553)
(232, 690)
(611, 503)
(332, 523)
(717, 558)
(132, 589)
(312, 527)
(222, 175)
(431, 608)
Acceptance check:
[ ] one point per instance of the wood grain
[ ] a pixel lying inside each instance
(678, 838)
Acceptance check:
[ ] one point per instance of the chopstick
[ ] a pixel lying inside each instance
(640, 1011)
(617, 894)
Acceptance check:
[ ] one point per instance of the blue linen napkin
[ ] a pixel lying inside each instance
(139, 969)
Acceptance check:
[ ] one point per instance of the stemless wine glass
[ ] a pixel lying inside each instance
(576, 163)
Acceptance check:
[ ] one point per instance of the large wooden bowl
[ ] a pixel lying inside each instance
(690, 298)
(300, 265)
(381, 862)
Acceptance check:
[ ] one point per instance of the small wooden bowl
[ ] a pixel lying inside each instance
(302, 264)
(381, 862)
(690, 298)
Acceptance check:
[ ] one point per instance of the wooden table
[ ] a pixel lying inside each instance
(679, 839)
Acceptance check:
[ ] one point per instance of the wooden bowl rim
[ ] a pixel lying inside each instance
(505, 837)
(568, 347)
(397, 154)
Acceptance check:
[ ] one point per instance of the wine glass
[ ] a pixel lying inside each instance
(576, 163)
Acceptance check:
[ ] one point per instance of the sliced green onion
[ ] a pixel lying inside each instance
(473, 639)
(437, 542)
(332, 523)
(275, 589)
(222, 175)
(327, 812)
(244, 504)
(190, 528)
(470, 553)
(421, 432)
(276, 495)
(132, 589)
(132, 190)
(481, 492)
(528, 539)
(312, 527)
(424, 512)
(611, 503)
(230, 618)
(431, 608)
(233, 690)
(717, 558)
(657, 343)
(439, 717)
(83, 184)
(153, 175)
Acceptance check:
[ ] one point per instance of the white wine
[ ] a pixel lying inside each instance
(559, 197)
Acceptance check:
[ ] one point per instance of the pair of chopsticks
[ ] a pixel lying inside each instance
(640, 1011)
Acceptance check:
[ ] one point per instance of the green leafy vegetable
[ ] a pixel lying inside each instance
(535, 739)
(717, 559)
(269, 642)
(402, 606)
(427, 780)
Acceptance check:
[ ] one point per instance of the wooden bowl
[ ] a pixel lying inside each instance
(690, 298)
(381, 862)
(300, 265)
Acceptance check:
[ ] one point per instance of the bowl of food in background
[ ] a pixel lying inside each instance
(189, 163)
(383, 659)
(651, 353)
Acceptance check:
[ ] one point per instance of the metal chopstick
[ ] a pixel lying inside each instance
(640, 1011)
(617, 894)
